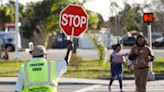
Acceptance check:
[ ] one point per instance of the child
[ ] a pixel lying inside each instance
(117, 59)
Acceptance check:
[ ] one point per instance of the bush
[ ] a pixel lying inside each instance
(100, 47)
(75, 60)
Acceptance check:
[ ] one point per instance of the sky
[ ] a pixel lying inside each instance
(100, 6)
(103, 6)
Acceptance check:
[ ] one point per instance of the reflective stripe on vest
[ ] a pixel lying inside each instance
(49, 82)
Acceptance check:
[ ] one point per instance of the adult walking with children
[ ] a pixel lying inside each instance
(140, 55)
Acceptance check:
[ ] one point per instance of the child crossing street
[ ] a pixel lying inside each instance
(117, 59)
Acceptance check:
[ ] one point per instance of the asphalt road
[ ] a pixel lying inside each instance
(61, 88)
(58, 54)
(153, 86)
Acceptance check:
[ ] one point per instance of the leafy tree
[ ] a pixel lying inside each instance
(7, 13)
(95, 21)
(130, 18)
(99, 45)
(44, 18)
(158, 23)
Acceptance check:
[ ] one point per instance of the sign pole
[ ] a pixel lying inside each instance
(149, 32)
(72, 35)
(148, 18)
(151, 74)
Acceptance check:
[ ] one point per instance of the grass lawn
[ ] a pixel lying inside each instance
(10, 68)
(85, 69)
(158, 65)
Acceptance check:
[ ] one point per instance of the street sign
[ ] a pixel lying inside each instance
(73, 20)
(8, 24)
(148, 17)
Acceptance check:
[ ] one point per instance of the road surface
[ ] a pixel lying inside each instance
(58, 54)
(153, 86)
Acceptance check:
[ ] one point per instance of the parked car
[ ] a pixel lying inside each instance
(159, 42)
(129, 41)
(10, 40)
(7, 42)
(60, 41)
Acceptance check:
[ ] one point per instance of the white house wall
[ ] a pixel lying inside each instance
(86, 43)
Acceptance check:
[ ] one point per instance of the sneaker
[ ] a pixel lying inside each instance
(109, 88)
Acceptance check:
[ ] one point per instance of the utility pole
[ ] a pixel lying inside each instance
(1, 2)
(16, 26)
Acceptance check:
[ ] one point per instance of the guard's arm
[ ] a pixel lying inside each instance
(69, 52)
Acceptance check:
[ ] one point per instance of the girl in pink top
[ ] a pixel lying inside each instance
(117, 59)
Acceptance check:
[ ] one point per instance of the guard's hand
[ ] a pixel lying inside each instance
(70, 45)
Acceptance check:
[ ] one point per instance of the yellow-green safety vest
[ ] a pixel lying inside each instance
(39, 76)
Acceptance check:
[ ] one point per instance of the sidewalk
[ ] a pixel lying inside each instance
(12, 80)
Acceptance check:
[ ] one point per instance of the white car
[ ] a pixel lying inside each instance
(10, 40)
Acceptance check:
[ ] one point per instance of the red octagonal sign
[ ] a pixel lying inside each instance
(73, 20)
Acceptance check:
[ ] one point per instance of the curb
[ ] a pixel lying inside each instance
(13, 83)
(7, 83)
(61, 83)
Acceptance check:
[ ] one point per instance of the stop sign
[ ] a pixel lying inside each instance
(73, 20)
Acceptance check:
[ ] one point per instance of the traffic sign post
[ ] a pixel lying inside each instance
(148, 18)
(151, 73)
(73, 21)
(73, 30)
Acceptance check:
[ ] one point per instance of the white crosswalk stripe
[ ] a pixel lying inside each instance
(103, 88)
(88, 88)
